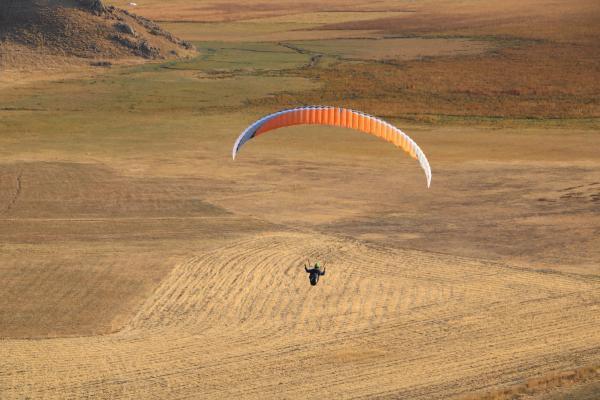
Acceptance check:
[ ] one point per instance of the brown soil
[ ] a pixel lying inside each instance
(235, 10)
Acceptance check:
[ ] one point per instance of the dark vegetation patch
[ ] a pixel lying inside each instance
(541, 384)
(542, 69)
(542, 80)
(101, 64)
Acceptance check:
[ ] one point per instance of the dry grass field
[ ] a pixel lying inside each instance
(137, 260)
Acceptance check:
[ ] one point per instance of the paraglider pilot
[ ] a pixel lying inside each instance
(314, 273)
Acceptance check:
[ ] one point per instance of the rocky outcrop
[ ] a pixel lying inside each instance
(140, 47)
(7, 8)
(88, 32)
(125, 28)
(94, 5)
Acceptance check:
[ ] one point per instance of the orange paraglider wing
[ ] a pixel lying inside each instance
(336, 116)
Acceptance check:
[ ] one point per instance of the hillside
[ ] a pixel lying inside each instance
(45, 34)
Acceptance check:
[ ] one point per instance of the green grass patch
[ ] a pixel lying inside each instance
(237, 57)
(128, 110)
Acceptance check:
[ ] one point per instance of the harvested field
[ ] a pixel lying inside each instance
(108, 236)
(243, 323)
(266, 31)
(138, 261)
(232, 10)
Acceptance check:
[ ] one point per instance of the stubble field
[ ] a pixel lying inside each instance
(138, 261)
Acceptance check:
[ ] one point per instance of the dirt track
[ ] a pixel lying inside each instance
(241, 321)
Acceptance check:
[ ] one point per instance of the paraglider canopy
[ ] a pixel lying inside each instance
(336, 116)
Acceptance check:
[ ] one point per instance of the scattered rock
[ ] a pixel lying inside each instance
(140, 47)
(147, 50)
(156, 30)
(125, 28)
(94, 5)
(187, 45)
(124, 41)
